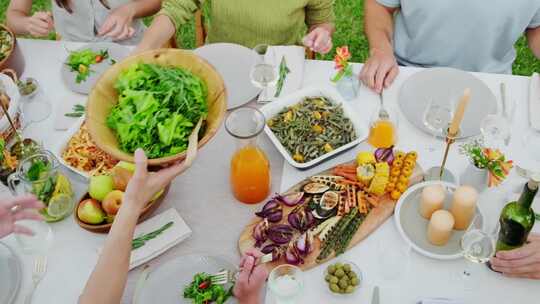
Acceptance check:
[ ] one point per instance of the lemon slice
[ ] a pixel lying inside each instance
(60, 205)
(63, 186)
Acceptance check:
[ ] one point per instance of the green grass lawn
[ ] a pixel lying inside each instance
(349, 20)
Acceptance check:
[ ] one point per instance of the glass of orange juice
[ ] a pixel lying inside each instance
(250, 168)
(383, 130)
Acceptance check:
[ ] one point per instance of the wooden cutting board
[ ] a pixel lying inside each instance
(376, 217)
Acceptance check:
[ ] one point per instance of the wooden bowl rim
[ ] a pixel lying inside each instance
(10, 52)
(222, 108)
(104, 228)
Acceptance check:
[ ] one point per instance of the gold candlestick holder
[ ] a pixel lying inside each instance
(441, 172)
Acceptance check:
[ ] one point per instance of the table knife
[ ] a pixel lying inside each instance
(534, 102)
(375, 296)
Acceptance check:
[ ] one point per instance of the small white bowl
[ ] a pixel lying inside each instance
(354, 268)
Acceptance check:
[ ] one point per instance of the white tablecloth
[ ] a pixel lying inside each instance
(203, 198)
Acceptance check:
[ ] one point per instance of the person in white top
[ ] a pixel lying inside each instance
(107, 281)
(84, 20)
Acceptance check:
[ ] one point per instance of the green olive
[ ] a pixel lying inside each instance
(343, 284)
(347, 268)
(333, 280)
(331, 269)
(338, 265)
(327, 278)
(334, 288)
(350, 289)
(354, 281)
(339, 273)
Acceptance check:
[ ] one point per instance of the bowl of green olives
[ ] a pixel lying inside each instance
(343, 277)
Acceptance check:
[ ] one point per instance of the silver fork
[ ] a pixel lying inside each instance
(226, 276)
(40, 267)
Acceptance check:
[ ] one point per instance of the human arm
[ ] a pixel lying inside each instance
(173, 14)
(320, 22)
(533, 38)
(118, 23)
(19, 20)
(523, 262)
(251, 279)
(381, 68)
(16, 209)
(107, 281)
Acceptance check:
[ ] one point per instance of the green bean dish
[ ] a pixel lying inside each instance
(6, 42)
(312, 128)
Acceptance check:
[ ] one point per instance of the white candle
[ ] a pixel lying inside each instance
(432, 199)
(440, 227)
(464, 206)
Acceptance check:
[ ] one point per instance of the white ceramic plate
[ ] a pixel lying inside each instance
(165, 285)
(10, 274)
(445, 86)
(116, 52)
(58, 150)
(413, 227)
(271, 109)
(234, 63)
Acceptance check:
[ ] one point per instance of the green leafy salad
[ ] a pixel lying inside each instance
(202, 291)
(157, 109)
(80, 62)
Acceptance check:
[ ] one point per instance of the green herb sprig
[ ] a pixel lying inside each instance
(141, 240)
(283, 71)
(78, 111)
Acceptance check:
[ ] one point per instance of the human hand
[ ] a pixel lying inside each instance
(16, 209)
(40, 24)
(251, 279)
(118, 24)
(144, 185)
(379, 71)
(523, 262)
(318, 40)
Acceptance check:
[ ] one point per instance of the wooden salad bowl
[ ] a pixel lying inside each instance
(14, 59)
(104, 96)
(147, 211)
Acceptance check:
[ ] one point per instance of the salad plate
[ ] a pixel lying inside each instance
(10, 274)
(413, 227)
(234, 70)
(165, 285)
(84, 84)
(444, 86)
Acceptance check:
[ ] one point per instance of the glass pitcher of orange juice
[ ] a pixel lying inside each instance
(383, 129)
(250, 168)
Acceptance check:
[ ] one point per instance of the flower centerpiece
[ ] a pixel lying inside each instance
(342, 65)
(492, 160)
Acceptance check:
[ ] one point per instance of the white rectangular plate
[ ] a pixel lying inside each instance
(58, 150)
(273, 108)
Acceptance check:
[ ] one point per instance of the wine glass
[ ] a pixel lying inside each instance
(478, 246)
(436, 117)
(286, 283)
(495, 130)
(264, 73)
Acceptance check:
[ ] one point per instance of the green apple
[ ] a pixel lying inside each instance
(90, 212)
(100, 186)
(126, 165)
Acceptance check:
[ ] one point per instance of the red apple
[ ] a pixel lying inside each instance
(90, 212)
(112, 202)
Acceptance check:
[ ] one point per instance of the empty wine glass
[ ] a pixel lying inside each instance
(264, 73)
(495, 130)
(436, 118)
(478, 246)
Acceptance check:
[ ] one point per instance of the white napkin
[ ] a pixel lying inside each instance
(295, 59)
(169, 238)
(534, 102)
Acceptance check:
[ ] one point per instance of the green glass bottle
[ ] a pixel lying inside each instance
(517, 219)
